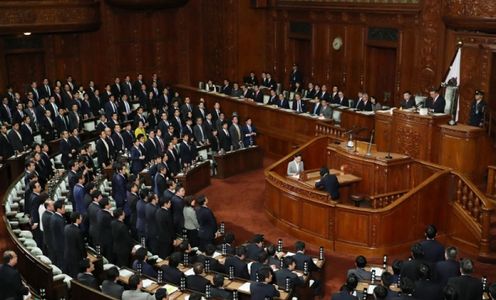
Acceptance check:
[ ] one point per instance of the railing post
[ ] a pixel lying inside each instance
(484, 249)
(490, 181)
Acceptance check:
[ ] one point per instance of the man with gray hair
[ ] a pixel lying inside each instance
(467, 286)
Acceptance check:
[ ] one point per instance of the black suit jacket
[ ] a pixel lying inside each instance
(165, 231)
(330, 183)
(122, 240)
(112, 289)
(433, 251)
(281, 276)
(57, 227)
(428, 290)
(225, 140)
(263, 291)
(408, 104)
(240, 267)
(93, 212)
(73, 121)
(207, 222)
(88, 280)
(6, 149)
(467, 287)
(197, 283)
(15, 141)
(11, 283)
(172, 275)
(446, 269)
(102, 154)
(104, 228)
(151, 223)
(438, 106)
(186, 153)
(75, 250)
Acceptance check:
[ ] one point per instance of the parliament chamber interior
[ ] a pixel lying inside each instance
(248, 149)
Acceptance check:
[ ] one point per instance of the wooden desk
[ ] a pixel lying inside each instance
(196, 178)
(279, 130)
(409, 133)
(239, 161)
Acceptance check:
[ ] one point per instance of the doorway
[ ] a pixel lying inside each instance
(381, 74)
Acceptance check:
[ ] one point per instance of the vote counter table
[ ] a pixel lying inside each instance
(195, 178)
(238, 161)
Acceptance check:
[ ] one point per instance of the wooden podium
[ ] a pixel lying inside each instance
(410, 133)
(239, 161)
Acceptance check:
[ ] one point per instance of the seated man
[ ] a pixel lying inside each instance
(254, 248)
(87, 278)
(295, 167)
(359, 271)
(170, 272)
(328, 182)
(110, 286)
(215, 265)
(263, 289)
(425, 287)
(300, 258)
(140, 262)
(380, 293)
(286, 271)
(197, 282)
(261, 262)
(134, 292)
(346, 291)
(238, 263)
(218, 291)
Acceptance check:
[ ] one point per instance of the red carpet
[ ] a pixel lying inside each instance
(238, 201)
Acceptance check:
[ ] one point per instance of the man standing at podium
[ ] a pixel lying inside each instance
(328, 182)
(477, 110)
(436, 102)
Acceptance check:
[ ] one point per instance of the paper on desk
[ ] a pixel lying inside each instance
(147, 283)
(289, 254)
(125, 273)
(180, 174)
(216, 254)
(310, 282)
(244, 288)
(170, 289)
(189, 272)
(378, 271)
(370, 289)
(249, 267)
(159, 260)
(187, 297)
(315, 260)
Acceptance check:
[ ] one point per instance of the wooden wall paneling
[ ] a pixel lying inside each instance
(354, 58)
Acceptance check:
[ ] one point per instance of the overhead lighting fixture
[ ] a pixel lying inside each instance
(27, 33)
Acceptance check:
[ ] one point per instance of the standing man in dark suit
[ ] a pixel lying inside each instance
(27, 132)
(433, 250)
(45, 227)
(235, 133)
(151, 224)
(263, 289)
(57, 227)
(436, 102)
(15, 138)
(137, 156)
(119, 183)
(225, 137)
(477, 110)
(177, 209)
(328, 182)
(122, 240)
(11, 284)
(448, 268)
(6, 149)
(425, 287)
(103, 150)
(467, 287)
(104, 228)
(75, 121)
(207, 221)
(295, 77)
(93, 212)
(74, 250)
(249, 132)
(65, 148)
(165, 228)
(187, 151)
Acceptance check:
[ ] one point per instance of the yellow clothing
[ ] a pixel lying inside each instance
(139, 131)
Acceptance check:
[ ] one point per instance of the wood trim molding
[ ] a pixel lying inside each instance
(147, 4)
(49, 16)
(344, 6)
(484, 24)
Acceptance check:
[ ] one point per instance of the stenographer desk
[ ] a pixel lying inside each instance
(238, 161)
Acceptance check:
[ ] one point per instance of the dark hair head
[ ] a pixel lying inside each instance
(492, 291)
(198, 268)
(104, 202)
(397, 264)
(262, 257)
(160, 294)
(200, 200)
(75, 216)
(263, 273)
(450, 293)
(209, 250)
(163, 201)
(112, 273)
(407, 285)
(7, 256)
(85, 263)
(361, 261)
(323, 171)
(380, 292)
(134, 281)
(271, 250)
(58, 205)
(351, 282)
(240, 251)
(451, 253)
(141, 253)
(424, 271)
(467, 266)
(387, 279)
(288, 261)
(417, 251)
(118, 212)
(184, 245)
(257, 238)
(218, 280)
(430, 232)
(299, 246)
(229, 238)
(175, 259)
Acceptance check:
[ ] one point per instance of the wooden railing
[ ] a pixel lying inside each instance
(491, 181)
(383, 200)
(322, 128)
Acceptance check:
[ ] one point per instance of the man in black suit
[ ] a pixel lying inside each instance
(92, 213)
(11, 284)
(408, 100)
(74, 250)
(435, 101)
(281, 102)
(298, 104)
(226, 88)
(5, 113)
(433, 250)
(197, 282)
(27, 132)
(128, 136)
(425, 287)
(45, 227)
(295, 76)
(103, 150)
(170, 272)
(346, 291)
(448, 268)
(300, 258)
(65, 149)
(18, 114)
(119, 184)
(6, 149)
(57, 227)
(255, 247)
(207, 222)
(328, 182)
(104, 229)
(122, 240)
(218, 291)
(151, 224)
(15, 138)
(467, 287)
(61, 121)
(165, 228)
(187, 151)
(86, 277)
(110, 286)
(263, 289)
(237, 262)
(177, 209)
(289, 265)
(225, 137)
(116, 88)
(75, 121)
(47, 126)
(409, 269)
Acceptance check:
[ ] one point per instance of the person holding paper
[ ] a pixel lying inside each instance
(295, 167)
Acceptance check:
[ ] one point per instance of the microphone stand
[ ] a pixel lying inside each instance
(369, 153)
(388, 156)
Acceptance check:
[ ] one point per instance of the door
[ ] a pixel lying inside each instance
(381, 74)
